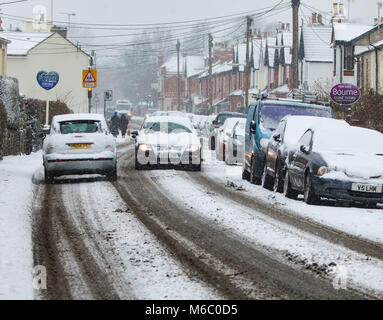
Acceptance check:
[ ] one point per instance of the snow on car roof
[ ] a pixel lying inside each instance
(333, 138)
(297, 125)
(78, 116)
(181, 120)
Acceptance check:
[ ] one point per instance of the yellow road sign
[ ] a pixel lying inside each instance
(89, 79)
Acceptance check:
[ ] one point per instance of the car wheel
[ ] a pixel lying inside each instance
(212, 143)
(371, 205)
(278, 180)
(253, 178)
(267, 181)
(288, 191)
(48, 177)
(112, 174)
(309, 195)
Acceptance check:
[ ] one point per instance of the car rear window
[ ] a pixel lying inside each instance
(271, 114)
(79, 126)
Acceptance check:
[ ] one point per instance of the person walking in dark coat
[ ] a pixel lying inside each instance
(115, 124)
(124, 122)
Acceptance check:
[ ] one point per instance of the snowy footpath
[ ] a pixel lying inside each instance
(16, 192)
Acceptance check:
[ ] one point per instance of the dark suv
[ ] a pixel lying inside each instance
(218, 123)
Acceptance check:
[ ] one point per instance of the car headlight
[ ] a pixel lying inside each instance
(322, 171)
(144, 147)
(263, 143)
(192, 148)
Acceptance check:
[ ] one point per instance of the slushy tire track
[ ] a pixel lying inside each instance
(334, 236)
(266, 277)
(52, 221)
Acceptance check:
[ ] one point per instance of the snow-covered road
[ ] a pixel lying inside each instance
(169, 234)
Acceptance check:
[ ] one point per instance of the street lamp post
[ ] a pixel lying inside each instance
(69, 15)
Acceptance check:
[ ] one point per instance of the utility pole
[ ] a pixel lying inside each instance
(247, 70)
(295, 5)
(380, 4)
(210, 74)
(178, 46)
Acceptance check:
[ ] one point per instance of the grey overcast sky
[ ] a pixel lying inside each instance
(153, 11)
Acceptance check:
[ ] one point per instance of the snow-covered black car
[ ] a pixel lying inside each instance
(336, 162)
(79, 144)
(285, 136)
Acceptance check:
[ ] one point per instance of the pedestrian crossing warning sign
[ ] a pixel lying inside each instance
(89, 78)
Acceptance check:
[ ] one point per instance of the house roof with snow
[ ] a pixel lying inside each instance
(360, 50)
(218, 68)
(316, 41)
(345, 32)
(189, 65)
(194, 65)
(22, 42)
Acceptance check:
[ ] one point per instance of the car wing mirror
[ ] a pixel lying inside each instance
(277, 138)
(134, 134)
(304, 149)
(253, 126)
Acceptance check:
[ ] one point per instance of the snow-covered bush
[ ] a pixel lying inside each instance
(3, 126)
(368, 112)
(33, 112)
(9, 95)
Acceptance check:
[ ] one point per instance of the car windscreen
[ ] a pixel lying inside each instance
(79, 126)
(271, 115)
(165, 127)
(222, 117)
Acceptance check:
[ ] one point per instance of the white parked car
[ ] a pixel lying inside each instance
(223, 134)
(79, 144)
(235, 145)
(169, 141)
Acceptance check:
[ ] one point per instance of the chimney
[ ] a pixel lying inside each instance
(314, 18)
(283, 27)
(265, 34)
(341, 9)
(63, 31)
(320, 19)
(335, 8)
(160, 61)
(375, 21)
(287, 26)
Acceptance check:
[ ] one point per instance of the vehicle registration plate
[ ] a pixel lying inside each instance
(367, 188)
(80, 146)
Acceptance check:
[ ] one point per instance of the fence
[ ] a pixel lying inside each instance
(16, 142)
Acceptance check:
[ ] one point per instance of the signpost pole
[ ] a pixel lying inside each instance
(47, 112)
(104, 108)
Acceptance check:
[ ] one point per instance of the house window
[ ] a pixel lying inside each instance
(349, 58)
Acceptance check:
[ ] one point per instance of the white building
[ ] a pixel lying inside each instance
(315, 56)
(30, 53)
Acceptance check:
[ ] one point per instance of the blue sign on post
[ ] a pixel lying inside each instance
(48, 80)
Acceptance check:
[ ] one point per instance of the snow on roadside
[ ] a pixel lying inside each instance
(361, 222)
(15, 226)
(280, 240)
